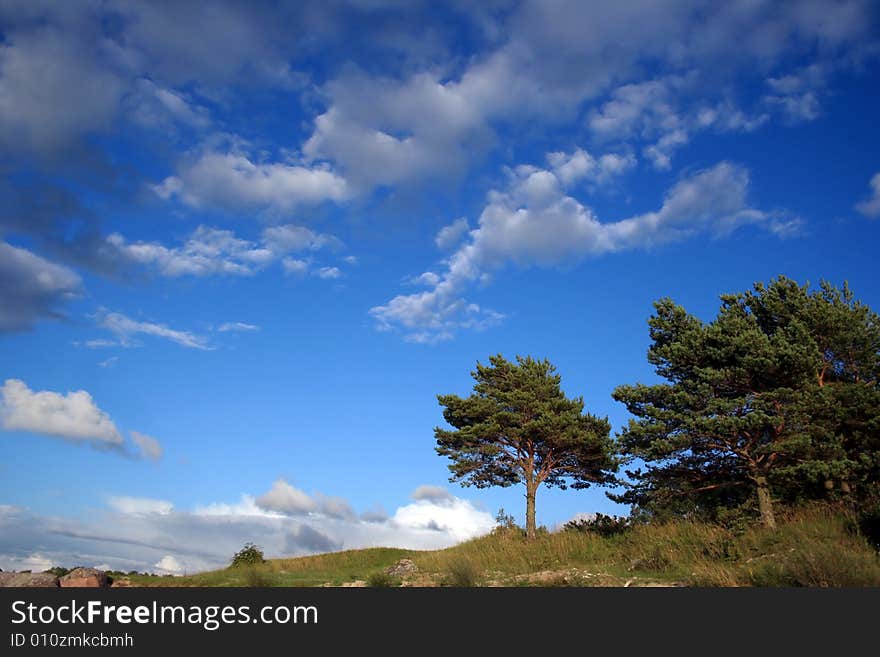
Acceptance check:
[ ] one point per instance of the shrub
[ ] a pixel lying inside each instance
(381, 579)
(462, 573)
(600, 525)
(505, 524)
(58, 571)
(249, 555)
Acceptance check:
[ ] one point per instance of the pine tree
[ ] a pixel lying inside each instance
(519, 427)
(777, 395)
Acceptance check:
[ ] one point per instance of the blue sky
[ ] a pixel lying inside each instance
(244, 246)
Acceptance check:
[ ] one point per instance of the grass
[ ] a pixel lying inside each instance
(812, 547)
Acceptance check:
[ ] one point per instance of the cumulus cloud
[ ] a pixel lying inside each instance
(870, 207)
(449, 236)
(432, 494)
(140, 533)
(74, 416)
(149, 447)
(233, 181)
(290, 238)
(534, 221)
(169, 565)
(663, 114)
(126, 329)
(796, 94)
(295, 265)
(207, 251)
(211, 251)
(32, 288)
(284, 498)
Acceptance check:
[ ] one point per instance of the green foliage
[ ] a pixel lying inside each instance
(381, 579)
(519, 427)
(58, 571)
(600, 525)
(249, 555)
(776, 397)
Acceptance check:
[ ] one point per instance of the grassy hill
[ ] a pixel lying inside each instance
(815, 547)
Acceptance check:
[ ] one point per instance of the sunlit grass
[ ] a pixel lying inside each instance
(811, 547)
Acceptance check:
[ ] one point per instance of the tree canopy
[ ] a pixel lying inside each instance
(776, 397)
(519, 427)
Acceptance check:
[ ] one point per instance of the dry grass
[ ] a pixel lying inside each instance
(812, 547)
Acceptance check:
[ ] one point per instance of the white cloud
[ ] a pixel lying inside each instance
(210, 251)
(140, 505)
(169, 565)
(139, 533)
(295, 266)
(126, 328)
(237, 327)
(149, 447)
(207, 251)
(796, 94)
(534, 221)
(449, 236)
(456, 517)
(570, 168)
(32, 288)
(432, 494)
(109, 362)
(290, 238)
(328, 272)
(284, 498)
(73, 416)
(870, 207)
(233, 181)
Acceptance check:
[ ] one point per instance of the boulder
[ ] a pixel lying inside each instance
(85, 578)
(28, 580)
(402, 567)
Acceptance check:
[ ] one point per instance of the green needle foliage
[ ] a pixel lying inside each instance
(519, 427)
(777, 397)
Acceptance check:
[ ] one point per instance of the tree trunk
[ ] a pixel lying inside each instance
(531, 489)
(765, 504)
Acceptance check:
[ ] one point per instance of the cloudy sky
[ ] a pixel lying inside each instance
(243, 246)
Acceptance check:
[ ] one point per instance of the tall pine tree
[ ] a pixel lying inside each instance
(519, 427)
(776, 397)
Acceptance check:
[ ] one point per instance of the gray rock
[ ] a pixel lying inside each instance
(90, 578)
(402, 567)
(28, 580)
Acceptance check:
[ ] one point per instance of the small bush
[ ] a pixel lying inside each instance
(505, 524)
(462, 573)
(601, 525)
(249, 555)
(382, 580)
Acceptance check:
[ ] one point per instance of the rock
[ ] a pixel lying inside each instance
(85, 578)
(402, 567)
(28, 580)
